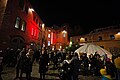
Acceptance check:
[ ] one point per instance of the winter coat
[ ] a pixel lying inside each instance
(27, 65)
(43, 63)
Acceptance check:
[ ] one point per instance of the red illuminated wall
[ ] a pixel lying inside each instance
(9, 31)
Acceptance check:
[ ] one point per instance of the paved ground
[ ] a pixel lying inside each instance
(9, 74)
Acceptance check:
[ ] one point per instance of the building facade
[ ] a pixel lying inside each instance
(57, 39)
(20, 25)
(108, 38)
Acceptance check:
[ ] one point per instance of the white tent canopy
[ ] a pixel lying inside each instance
(91, 48)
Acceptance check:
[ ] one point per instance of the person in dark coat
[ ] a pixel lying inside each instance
(75, 66)
(110, 68)
(27, 65)
(85, 62)
(20, 59)
(43, 64)
(36, 55)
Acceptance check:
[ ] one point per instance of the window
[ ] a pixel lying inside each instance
(21, 4)
(15, 41)
(35, 32)
(48, 43)
(40, 24)
(99, 38)
(85, 39)
(26, 9)
(17, 23)
(48, 35)
(32, 32)
(112, 37)
(34, 17)
(23, 26)
(36, 21)
(39, 35)
(64, 34)
(21, 41)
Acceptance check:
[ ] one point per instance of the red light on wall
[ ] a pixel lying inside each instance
(32, 32)
(51, 37)
(35, 33)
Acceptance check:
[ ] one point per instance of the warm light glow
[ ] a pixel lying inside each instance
(43, 25)
(82, 39)
(43, 45)
(48, 35)
(49, 30)
(51, 37)
(118, 33)
(64, 31)
(60, 47)
(53, 48)
(31, 9)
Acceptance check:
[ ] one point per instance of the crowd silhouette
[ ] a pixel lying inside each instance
(69, 64)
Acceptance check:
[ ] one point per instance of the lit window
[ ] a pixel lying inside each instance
(48, 35)
(64, 35)
(32, 31)
(48, 43)
(17, 23)
(35, 33)
(40, 24)
(23, 26)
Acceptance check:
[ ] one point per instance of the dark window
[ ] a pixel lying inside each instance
(99, 38)
(21, 41)
(26, 9)
(15, 41)
(36, 21)
(112, 37)
(34, 18)
(21, 4)
(85, 39)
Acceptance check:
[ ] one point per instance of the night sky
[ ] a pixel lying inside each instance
(89, 14)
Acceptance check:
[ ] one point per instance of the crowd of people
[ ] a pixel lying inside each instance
(70, 62)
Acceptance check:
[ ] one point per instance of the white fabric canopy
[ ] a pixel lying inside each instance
(91, 48)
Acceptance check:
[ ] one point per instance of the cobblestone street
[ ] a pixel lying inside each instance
(9, 74)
